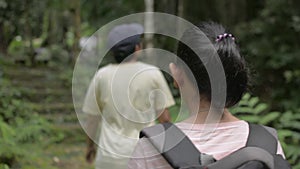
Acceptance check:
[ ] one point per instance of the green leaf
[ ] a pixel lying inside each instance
(4, 166)
(242, 110)
(297, 166)
(243, 102)
(292, 124)
(246, 96)
(269, 118)
(253, 101)
(283, 133)
(260, 108)
(6, 131)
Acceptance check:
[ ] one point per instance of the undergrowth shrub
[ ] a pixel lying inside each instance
(19, 125)
(287, 124)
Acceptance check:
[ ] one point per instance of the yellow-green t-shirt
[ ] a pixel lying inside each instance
(127, 97)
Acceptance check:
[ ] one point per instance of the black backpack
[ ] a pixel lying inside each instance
(180, 152)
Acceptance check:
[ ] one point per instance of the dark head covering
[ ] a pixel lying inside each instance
(122, 40)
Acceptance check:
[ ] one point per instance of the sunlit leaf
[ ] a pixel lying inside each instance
(269, 118)
(260, 108)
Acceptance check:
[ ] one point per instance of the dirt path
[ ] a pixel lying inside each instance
(48, 91)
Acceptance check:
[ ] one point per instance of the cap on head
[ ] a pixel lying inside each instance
(125, 33)
(122, 40)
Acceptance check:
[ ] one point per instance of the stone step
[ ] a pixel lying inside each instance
(46, 94)
(52, 108)
(60, 119)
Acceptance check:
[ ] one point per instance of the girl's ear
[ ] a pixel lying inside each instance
(138, 47)
(177, 75)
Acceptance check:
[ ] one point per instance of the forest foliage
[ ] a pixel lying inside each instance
(267, 30)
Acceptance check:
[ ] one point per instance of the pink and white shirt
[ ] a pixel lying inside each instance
(223, 140)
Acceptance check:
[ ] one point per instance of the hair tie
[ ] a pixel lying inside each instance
(225, 35)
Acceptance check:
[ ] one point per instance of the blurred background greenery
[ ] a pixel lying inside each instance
(39, 43)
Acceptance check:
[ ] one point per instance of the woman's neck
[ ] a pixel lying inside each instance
(200, 108)
(206, 114)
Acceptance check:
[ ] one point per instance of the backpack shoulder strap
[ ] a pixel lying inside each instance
(262, 137)
(173, 144)
(260, 148)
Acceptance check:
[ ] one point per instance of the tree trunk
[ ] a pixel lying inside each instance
(77, 22)
(45, 29)
(179, 13)
(149, 5)
(28, 34)
(149, 27)
(3, 44)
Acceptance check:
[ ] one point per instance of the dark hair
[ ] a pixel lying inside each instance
(226, 49)
(125, 48)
